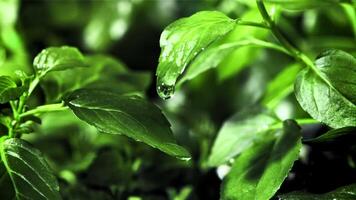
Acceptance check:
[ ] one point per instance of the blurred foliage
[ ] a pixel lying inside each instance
(93, 165)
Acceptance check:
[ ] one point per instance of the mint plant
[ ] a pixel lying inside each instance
(261, 147)
(25, 172)
(252, 100)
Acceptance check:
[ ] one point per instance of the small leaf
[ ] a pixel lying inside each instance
(239, 133)
(260, 170)
(9, 90)
(346, 134)
(342, 193)
(183, 40)
(329, 94)
(57, 59)
(302, 4)
(28, 172)
(126, 115)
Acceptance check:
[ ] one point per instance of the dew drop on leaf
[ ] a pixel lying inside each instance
(165, 91)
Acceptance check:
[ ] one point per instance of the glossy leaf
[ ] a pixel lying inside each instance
(329, 94)
(57, 59)
(9, 90)
(183, 40)
(342, 193)
(302, 4)
(239, 133)
(260, 170)
(126, 115)
(28, 172)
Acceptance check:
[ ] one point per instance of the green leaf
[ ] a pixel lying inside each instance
(302, 4)
(239, 132)
(9, 90)
(126, 115)
(28, 172)
(328, 93)
(345, 134)
(342, 193)
(183, 40)
(281, 86)
(260, 170)
(57, 59)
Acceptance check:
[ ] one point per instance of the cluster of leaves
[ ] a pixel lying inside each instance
(260, 147)
(69, 123)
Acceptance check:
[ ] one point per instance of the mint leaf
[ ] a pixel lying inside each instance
(239, 132)
(9, 90)
(345, 134)
(260, 170)
(329, 94)
(183, 40)
(342, 193)
(57, 59)
(128, 115)
(25, 167)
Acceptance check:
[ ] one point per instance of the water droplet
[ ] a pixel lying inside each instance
(185, 158)
(165, 91)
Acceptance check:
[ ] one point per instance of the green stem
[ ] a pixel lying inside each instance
(305, 121)
(45, 109)
(298, 55)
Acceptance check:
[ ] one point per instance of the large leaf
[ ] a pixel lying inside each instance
(9, 90)
(302, 4)
(127, 115)
(342, 193)
(183, 40)
(328, 94)
(57, 59)
(239, 132)
(259, 171)
(29, 175)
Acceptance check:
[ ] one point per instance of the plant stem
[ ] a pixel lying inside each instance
(299, 121)
(306, 121)
(45, 109)
(298, 55)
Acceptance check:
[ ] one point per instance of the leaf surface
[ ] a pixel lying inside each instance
(25, 168)
(128, 115)
(9, 90)
(57, 59)
(239, 133)
(329, 94)
(183, 40)
(260, 170)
